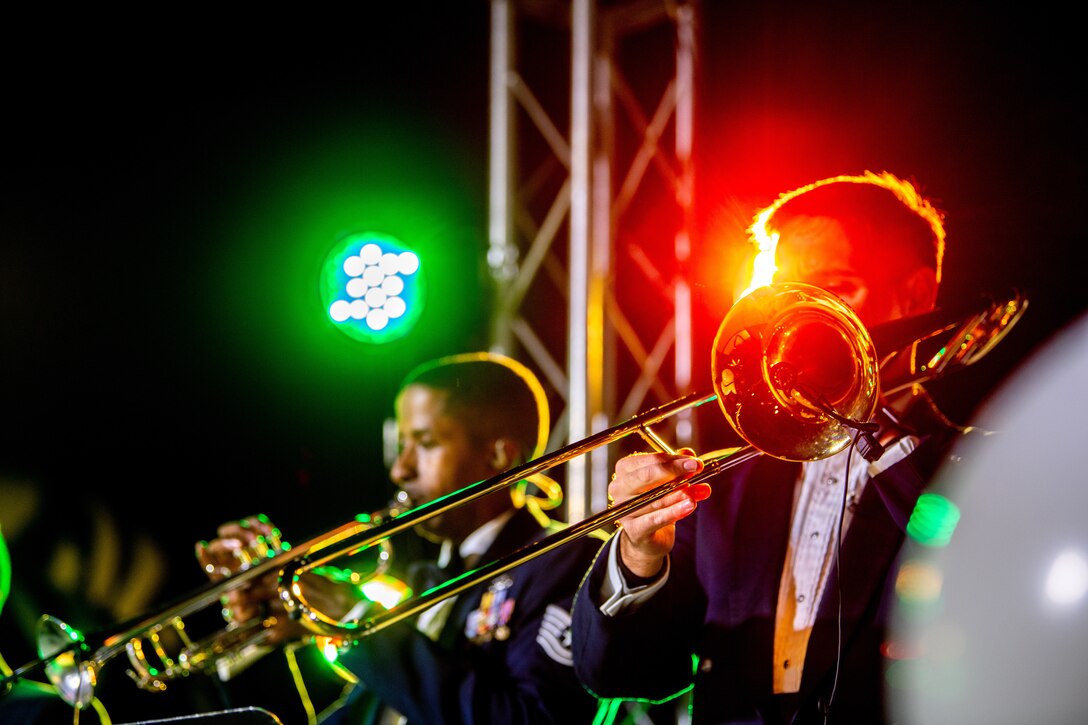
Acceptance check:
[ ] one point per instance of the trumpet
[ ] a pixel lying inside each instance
(795, 373)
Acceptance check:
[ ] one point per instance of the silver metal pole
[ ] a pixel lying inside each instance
(502, 251)
(578, 345)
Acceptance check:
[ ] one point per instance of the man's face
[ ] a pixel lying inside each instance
(816, 251)
(438, 456)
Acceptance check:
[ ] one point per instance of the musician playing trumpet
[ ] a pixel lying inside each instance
(769, 589)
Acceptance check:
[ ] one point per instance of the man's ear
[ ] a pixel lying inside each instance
(504, 454)
(921, 290)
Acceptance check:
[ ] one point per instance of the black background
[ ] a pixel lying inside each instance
(123, 151)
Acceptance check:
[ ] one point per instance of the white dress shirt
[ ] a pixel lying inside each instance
(818, 500)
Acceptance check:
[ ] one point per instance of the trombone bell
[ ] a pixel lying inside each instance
(784, 358)
(73, 677)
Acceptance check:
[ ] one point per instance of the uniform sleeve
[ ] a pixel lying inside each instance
(616, 595)
(635, 652)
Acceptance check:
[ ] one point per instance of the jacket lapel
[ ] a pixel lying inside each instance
(520, 530)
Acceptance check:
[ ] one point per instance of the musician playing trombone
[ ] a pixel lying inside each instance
(499, 651)
(769, 588)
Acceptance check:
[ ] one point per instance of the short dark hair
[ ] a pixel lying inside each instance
(494, 395)
(880, 212)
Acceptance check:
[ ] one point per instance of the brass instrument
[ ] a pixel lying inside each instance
(63, 652)
(794, 371)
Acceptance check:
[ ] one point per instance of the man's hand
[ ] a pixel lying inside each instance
(649, 532)
(240, 545)
(245, 543)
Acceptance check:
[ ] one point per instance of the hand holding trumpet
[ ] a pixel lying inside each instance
(649, 532)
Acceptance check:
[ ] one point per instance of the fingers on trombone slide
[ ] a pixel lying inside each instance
(640, 474)
(641, 471)
(238, 546)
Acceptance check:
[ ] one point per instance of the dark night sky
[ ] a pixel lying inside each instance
(129, 162)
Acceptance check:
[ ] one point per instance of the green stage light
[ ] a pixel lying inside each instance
(372, 287)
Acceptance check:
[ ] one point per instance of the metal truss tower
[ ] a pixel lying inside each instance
(590, 212)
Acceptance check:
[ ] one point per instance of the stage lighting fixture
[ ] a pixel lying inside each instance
(372, 287)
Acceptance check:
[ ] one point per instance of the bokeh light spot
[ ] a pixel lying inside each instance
(1067, 579)
(933, 520)
(918, 582)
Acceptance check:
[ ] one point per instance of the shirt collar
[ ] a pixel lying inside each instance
(476, 543)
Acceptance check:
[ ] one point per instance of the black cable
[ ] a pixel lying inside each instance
(870, 449)
(826, 708)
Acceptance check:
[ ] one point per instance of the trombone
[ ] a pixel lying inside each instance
(794, 372)
(817, 378)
